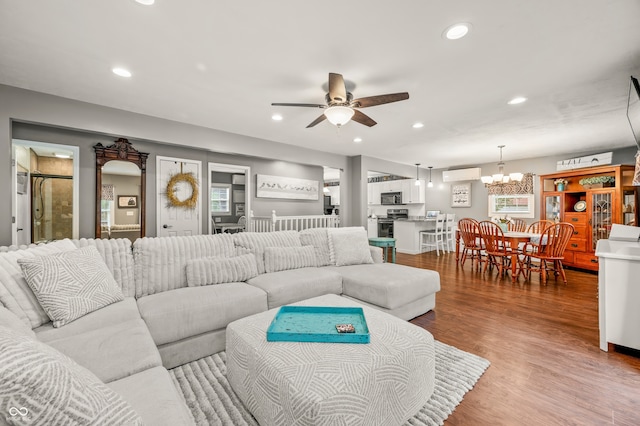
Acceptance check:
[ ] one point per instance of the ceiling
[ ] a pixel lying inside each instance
(222, 64)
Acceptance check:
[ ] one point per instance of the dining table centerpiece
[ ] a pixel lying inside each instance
(503, 222)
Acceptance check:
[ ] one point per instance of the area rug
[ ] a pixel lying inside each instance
(204, 386)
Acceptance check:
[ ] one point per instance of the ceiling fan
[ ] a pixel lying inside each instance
(341, 107)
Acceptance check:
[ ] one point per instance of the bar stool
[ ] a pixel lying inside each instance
(435, 237)
(385, 243)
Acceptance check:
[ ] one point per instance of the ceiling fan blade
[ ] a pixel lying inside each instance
(379, 100)
(317, 120)
(299, 105)
(363, 118)
(337, 89)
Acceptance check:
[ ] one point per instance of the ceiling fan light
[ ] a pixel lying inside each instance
(339, 115)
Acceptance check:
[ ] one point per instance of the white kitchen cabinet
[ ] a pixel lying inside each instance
(372, 228)
(412, 193)
(374, 192)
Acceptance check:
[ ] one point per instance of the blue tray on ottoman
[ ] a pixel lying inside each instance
(317, 324)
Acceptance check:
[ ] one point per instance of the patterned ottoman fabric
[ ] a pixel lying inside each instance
(384, 382)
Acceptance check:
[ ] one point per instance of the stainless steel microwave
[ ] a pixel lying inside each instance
(391, 198)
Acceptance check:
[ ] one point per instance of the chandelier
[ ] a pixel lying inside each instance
(500, 178)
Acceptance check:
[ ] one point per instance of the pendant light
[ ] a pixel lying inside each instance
(417, 183)
(430, 184)
(500, 177)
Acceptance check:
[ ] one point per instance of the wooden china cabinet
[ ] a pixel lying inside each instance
(591, 209)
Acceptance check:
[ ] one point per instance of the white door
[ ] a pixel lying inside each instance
(178, 220)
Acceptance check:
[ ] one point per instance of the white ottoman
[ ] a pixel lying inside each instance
(384, 382)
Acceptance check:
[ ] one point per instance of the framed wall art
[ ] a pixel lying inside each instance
(461, 195)
(127, 201)
(286, 187)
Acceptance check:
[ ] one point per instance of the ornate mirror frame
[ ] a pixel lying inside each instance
(123, 151)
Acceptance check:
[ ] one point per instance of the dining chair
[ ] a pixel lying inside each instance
(242, 221)
(517, 225)
(473, 246)
(497, 250)
(436, 237)
(450, 231)
(548, 251)
(539, 226)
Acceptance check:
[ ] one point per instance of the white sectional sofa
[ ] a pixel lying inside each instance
(176, 296)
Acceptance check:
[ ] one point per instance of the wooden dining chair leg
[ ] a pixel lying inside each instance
(560, 269)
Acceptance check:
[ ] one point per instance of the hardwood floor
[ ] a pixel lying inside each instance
(542, 341)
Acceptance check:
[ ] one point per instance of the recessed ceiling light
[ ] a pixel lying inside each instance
(417, 125)
(121, 72)
(146, 2)
(517, 100)
(357, 140)
(457, 31)
(276, 117)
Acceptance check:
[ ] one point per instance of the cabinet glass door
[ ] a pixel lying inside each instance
(629, 208)
(553, 207)
(601, 215)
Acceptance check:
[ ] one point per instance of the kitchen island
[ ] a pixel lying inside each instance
(407, 234)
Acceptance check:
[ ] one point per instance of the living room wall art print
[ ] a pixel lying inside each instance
(287, 188)
(461, 195)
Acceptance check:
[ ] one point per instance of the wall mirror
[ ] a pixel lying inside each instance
(121, 173)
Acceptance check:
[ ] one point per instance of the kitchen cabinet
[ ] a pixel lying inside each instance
(411, 194)
(372, 228)
(590, 209)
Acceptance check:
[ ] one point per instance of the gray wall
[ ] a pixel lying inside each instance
(148, 134)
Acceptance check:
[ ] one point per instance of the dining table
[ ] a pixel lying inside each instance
(514, 239)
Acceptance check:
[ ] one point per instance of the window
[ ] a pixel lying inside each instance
(519, 205)
(220, 199)
(106, 212)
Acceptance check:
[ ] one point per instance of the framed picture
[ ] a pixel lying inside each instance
(461, 195)
(240, 209)
(286, 187)
(127, 201)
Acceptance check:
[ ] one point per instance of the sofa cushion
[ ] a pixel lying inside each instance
(15, 293)
(349, 246)
(185, 312)
(319, 239)
(118, 257)
(160, 262)
(256, 242)
(297, 284)
(387, 284)
(153, 395)
(71, 284)
(10, 320)
(284, 258)
(113, 314)
(218, 270)
(54, 389)
(114, 351)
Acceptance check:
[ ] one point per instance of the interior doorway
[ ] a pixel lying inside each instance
(229, 205)
(45, 192)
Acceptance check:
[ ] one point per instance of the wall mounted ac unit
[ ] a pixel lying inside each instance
(461, 174)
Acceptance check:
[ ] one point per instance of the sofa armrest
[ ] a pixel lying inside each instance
(376, 254)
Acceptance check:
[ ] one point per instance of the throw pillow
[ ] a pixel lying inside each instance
(319, 239)
(349, 246)
(284, 258)
(256, 242)
(71, 284)
(218, 270)
(41, 386)
(15, 293)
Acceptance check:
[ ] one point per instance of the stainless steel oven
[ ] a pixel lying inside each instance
(385, 224)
